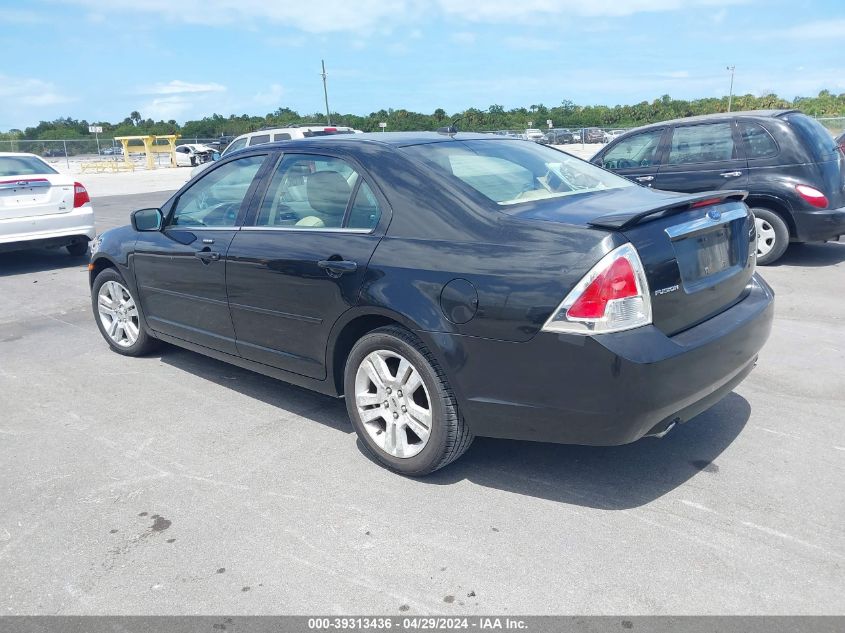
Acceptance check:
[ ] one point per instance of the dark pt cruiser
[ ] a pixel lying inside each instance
(450, 285)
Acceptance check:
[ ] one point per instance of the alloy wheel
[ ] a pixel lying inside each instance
(393, 403)
(118, 313)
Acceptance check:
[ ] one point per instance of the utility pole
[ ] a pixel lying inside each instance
(326, 93)
(731, 94)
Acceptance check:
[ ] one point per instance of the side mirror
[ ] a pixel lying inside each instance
(215, 156)
(147, 219)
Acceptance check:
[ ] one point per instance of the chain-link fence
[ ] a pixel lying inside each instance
(60, 151)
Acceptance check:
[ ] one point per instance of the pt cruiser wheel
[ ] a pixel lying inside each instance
(117, 315)
(401, 405)
(772, 235)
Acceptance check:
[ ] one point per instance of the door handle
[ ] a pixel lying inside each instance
(645, 178)
(730, 174)
(208, 256)
(338, 266)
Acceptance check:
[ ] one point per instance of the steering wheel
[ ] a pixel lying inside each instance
(624, 163)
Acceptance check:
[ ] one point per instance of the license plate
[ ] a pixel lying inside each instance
(705, 254)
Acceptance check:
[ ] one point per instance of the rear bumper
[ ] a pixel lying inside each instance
(820, 224)
(51, 229)
(609, 389)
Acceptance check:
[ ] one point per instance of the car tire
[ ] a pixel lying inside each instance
(772, 235)
(414, 432)
(118, 315)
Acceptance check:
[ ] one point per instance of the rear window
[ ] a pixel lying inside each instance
(817, 139)
(758, 142)
(24, 166)
(511, 172)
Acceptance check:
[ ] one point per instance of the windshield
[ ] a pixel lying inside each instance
(23, 166)
(511, 172)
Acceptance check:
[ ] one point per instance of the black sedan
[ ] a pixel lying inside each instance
(450, 285)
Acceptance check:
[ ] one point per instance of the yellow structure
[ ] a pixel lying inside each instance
(151, 146)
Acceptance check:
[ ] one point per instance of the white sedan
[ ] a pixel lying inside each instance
(193, 154)
(41, 207)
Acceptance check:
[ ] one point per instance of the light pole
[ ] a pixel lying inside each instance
(326, 93)
(731, 94)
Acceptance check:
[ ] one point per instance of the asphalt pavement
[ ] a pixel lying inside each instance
(178, 484)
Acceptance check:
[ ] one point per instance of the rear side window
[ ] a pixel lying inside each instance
(817, 139)
(313, 192)
(281, 137)
(702, 144)
(23, 166)
(259, 139)
(758, 142)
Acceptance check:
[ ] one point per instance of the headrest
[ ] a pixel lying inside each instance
(328, 192)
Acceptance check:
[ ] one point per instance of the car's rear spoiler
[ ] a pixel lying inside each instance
(621, 220)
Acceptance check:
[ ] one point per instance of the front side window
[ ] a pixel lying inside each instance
(639, 150)
(702, 144)
(758, 142)
(511, 172)
(314, 192)
(215, 199)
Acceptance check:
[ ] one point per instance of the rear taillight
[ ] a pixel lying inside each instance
(613, 296)
(80, 195)
(811, 195)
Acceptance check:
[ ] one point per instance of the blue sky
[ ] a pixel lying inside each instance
(184, 59)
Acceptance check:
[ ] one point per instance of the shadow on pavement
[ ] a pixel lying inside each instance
(613, 478)
(811, 254)
(314, 406)
(38, 260)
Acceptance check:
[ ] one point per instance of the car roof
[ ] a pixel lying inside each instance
(387, 139)
(719, 115)
(19, 154)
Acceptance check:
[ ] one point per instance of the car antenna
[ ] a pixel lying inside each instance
(452, 129)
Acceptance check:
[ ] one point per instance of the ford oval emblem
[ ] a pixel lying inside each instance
(714, 214)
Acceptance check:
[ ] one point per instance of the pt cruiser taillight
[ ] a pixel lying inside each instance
(612, 297)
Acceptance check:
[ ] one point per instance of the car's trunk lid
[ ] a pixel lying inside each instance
(35, 195)
(697, 250)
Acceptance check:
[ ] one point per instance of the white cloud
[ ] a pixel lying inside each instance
(532, 10)
(30, 92)
(177, 87)
(365, 16)
(166, 108)
(675, 74)
(811, 31)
